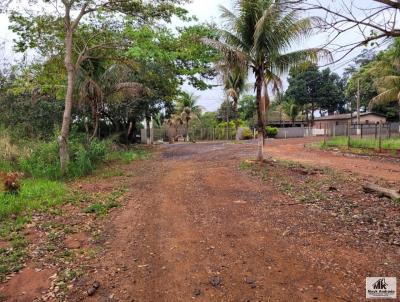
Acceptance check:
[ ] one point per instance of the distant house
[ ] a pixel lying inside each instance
(344, 119)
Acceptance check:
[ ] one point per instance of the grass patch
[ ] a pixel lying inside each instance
(128, 156)
(102, 207)
(365, 143)
(35, 194)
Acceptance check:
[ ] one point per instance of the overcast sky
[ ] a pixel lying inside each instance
(205, 10)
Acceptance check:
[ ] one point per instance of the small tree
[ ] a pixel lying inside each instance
(188, 109)
(291, 109)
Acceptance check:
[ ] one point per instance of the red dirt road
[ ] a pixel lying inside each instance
(295, 150)
(196, 228)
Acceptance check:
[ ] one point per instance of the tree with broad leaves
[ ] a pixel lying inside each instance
(55, 25)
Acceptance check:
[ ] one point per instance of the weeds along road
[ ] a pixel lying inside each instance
(196, 227)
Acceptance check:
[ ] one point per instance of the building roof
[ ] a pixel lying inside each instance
(346, 116)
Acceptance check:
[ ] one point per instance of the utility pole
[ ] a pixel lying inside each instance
(358, 108)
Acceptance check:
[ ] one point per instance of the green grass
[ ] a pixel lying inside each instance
(128, 156)
(365, 143)
(35, 194)
(102, 207)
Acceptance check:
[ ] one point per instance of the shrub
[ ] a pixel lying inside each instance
(247, 133)
(44, 160)
(271, 131)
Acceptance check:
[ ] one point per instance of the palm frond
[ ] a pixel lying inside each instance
(385, 97)
(284, 62)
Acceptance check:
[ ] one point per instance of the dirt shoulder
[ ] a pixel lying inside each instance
(368, 167)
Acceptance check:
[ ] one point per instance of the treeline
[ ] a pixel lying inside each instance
(96, 76)
(111, 95)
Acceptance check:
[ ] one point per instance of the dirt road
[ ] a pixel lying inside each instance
(195, 227)
(294, 149)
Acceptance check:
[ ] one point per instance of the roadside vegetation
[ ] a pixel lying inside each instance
(364, 143)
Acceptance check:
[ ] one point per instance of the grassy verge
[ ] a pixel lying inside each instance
(35, 194)
(43, 192)
(365, 143)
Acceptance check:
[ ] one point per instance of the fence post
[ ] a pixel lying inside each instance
(389, 130)
(376, 131)
(380, 138)
(361, 129)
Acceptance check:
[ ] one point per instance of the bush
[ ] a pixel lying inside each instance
(271, 131)
(44, 160)
(247, 133)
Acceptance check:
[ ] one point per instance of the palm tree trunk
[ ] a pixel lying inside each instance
(235, 114)
(260, 109)
(266, 106)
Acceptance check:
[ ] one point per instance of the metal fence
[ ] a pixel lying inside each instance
(195, 134)
(365, 136)
(376, 131)
(387, 130)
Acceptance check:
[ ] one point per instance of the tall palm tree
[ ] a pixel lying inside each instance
(258, 35)
(388, 83)
(187, 107)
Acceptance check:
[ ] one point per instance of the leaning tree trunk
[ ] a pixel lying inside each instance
(63, 138)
